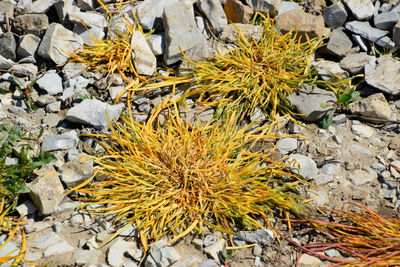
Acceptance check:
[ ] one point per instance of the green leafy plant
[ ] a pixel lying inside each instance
(175, 178)
(14, 176)
(341, 105)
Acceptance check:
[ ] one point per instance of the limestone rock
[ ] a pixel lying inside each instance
(386, 75)
(237, 12)
(145, 62)
(214, 12)
(361, 9)
(31, 24)
(354, 63)
(374, 106)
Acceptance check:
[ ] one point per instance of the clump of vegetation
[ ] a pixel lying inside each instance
(369, 238)
(14, 176)
(175, 178)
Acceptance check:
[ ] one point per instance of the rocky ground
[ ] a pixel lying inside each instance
(356, 159)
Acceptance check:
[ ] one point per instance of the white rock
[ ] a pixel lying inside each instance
(46, 240)
(149, 12)
(362, 130)
(28, 45)
(115, 253)
(59, 248)
(287, 145)
(361, 9)
(385, 76)
(60, 141)
(26, 208)
(360, 177)
(77, 171)
(214, 249)
(90, 19)
(51, 82)
(5, 63)
(303, 165)
(156, 43)
(144, 60)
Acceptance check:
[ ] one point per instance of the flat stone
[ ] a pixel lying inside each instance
(144, 60)
(72, 87)
(360, 149)
(303, 165)
(360, 177)
(8, 46)
(287, 145)
(60, 248)
(26, 208)
(86, 256)
(73, 69)
(181, 32)
(60, 141)
(361, 9)
(215, 249)
(7, 250)
(355, 63)
(237, 12)
(28, 45)
(362, 130)
(58, 43)
(335, 15)
(25, 69)
(190, 261)
(93, 112)
(46, 191)
(215, 13)
(150, 12)
(339, 43)
(6, 11)
(250, 32)
(87, 5)
(386, 21)
(90, 19)
(329, 70)
(361, 42)
(36, 227)
(46, 240)
(50, 82)
(35, 24)
(89, 36)
(63, 8)
(263, 237)
(42, 6)
(5, 63)
(308, 260)
(305, 23)
(375, 35)
(270, 6)
(115, 253)
(374, 106)
(323, 178)
(76, 171)
(386, 75)
(287, 6)
(396, 33)
(53, 107)
(156, 43)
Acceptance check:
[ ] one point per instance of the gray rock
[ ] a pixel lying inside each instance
(53, 107)
(386, 75)
(257, 250)
(50, 82)
(322, 178)
(303, 165)
(60, 248)
(339, 43)
(26, 208)
(7, 250)
(258, 261)
(362, 130)
(149, 12)
(118, 24)
(72, 87)
(76, 171)
(42, 6)
(360, 177)
(215, 249)
(396, 34)
(156, 43)
(287, 145)
(28, 45)
(31, 24)
(362, 43)
(375, 35)
(87, 5)
(262, 237)
(25, 6)
(86, 256)
(335, 15)
(374, 106)
(181, 32)
(6, 11)
(29, 59)
(214, 12)
(26, 69)
(65, 7)
(250, 32)
(8, 46)
(331, 168)
(162, 255)
(309, 102)
(93, 112)
(355, 63)
(44, 100)
(329, 70)
(36, 227)
(209, 240)
(46, 191)
(73, 69)
(287, 6)
(46, 240)
(115, 253)
(5, 63)
(361, 9)
(136, 254)
(58, 43)
(188, 262)
(57, 227)
(87, 34)
(144, 60)
(360, 149)
(90, 19)
(271, 6)
(209, 263)
(386, 21)
(332, 253)
(60, 141)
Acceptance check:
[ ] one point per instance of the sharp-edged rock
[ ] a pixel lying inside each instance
(51, 82)
(354, 63)
(214, 12)
(335, 15)
(303, 165)
(374, 106)
(237, 12)
(385, 76)
(144, 60)
(8, 46)
(60, 141)
(364, 29)
(150, 12)
(361, 9)
(35, 24)
(28, 45)
(76, 171)
(271, 6)
(250, 32)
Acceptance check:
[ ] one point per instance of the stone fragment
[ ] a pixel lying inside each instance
(156, 43)
(237, 12)
(46, 191)
(339, 43)
(28, 45)
(90, 19)
(329, 70)
(73, 69)
(305, 23)
(87, 5)
(93, 112)
(63, 8)
(144, 60)
(375, 35)
(86, 257)
(119, 24)
(287, 6)
(362, 130)
(210, 263)
(162, 255)
(181, 32)
(76, 171)
(25, 69)
(361, 150)
(7, 250)
(214, 12)
(308, 260)
(87, 35)
(42, 6)
(8, 46)
(354, 63)
(360, 177)
(303, 165)
(287, 145)
(250, 32)
(215, 249)
(309, 102)
(73, 87)
(362, 42)
(263, 237)
(323, 178)
(361, 9)
(35, 24)
(150, 12)
(59, 43)
(60, 141)
(115, 253)
(50, 82)
(396, 33)
(5, 63)
(190, 261)
(46, 240)
(26, 208)
(335, 15)
(385, 76)
(271, 6)
(6, 11)
(59, 248)
(374, 106)
(386, 21)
